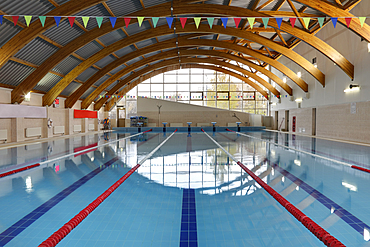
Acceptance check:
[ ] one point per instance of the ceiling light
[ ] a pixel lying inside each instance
(315, 65)
(352, 87)
(284, 79)
(299, 74)
(27, 97)
(298, 100)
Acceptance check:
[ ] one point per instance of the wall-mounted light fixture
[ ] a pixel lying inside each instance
(352, 88)
(299, 74)
(284, 79)
(298, 100)
(368, 47)
(314, 62)
(27, 97)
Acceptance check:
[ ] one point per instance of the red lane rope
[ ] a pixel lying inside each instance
(231, 130)
(147, 131)
(361, 168)
(57, 236)
(18, 170)
(317, 230)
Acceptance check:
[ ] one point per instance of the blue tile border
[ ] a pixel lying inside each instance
(188, 234)
(350, 219)
(10, 233)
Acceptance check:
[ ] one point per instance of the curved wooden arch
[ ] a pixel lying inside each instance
(167, 63)
(56, 90)
(188, 9)
(89, 99)
(72, 99)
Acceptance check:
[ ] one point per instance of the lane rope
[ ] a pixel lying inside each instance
(62, 232)
(312, 226)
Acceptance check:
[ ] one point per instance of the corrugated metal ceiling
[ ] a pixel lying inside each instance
(13, 73)
(67, 65)
(89, 49)
(84, 76)
(46, 83)
(120, 9)
(70, 88)
(64, 33)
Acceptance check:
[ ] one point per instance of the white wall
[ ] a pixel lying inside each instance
(350, 46)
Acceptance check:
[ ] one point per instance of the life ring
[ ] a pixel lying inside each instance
(50, 123)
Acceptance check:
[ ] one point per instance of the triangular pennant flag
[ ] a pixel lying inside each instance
(1, 19)
(224, 21)
(183, 21)
(155, 21)
(169, 21)
(57, 20)
(210, 21)
(140, 20)
(334, 20)
(85, 20)
(197, 21)
(99, 20)
(306, 21)
(15, 19)
(28, 19)
(348, 21)
(362, 20)
(237, 21)
(292, 21)
(113, 21)
(321, 20)
(127, 21)
(251, 22)
(42, 20)
(279, 21)
(71, 20)
(265, 21)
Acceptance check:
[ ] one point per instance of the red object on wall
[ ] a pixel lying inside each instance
(85, 114)
(293, 124)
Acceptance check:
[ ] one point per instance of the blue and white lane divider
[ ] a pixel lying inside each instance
(308, 153)
(58, 235)
(317, 230)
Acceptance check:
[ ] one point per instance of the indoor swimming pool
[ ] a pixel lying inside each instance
(187, 191)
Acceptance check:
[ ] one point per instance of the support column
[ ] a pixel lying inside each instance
(69, 122)
(85, 125)
(17, 130)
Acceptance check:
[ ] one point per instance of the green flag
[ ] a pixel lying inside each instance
(85, 20)
(28, 19)
(265, 21)
(321, 21)
(197, 21)
(251, 22)
(42, 20)
(306, 21)
(99, 20)
(155, 21)
(140, 20)
(362, 20)
(210, 21)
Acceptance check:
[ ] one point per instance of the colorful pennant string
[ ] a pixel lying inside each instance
(28, 19)
(71, 20)
(113, 21)
(224, 21)
(348, 21)
(279, 21)
(15, 19)
(237, 21)
(42, 20)
(140, 20)
(169, 21)
(183, 21)
(127, 21)
(1, 19)
(85, 20)
(210, 22)
(57, 20)
(362, 20)
(292, 21)
(306, 21)
(155, 21)
(99, 20)
(321, 21)
(334, 20)
(197, 21)
(251, 22)
(265, 21)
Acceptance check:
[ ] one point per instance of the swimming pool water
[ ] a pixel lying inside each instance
(189, 193)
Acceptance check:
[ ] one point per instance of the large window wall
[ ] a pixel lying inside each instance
(201, 87)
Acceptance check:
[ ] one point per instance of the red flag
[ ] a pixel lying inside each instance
(292, 21)
(183, 21)
(15, 19)
(237, 21)
(71, 20)
(127, 21)
(348, 20)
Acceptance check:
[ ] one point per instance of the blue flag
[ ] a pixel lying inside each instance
(113, 21)
(279, 21)
(169, 21)
(57, 20)
(1, 19)
(224, 21)
(334, 20)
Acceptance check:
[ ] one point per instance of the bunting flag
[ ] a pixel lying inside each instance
(251, 22)
(140, 20)
(42, 20)
(155, 21)
(348, 21)
(57, 20)
(306, 21)
(292, 21)
(362, 20)
(169, 21)
(85, 20)
(113, 21)
(127, 21)
(265, 21)
(224, 21)
(28, 19)
(15, 19)
(210, 22)
(334, 20)
(99, 20)
(1, 19)
(183, 21)
(71, 20)
(237, 21)
(197, 21)
(321, 21)
(279, 21)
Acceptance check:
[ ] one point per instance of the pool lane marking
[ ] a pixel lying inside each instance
(57, 236)
(77, 153)
(314, 155)
(188, 234)
(13, 231)
(317, 230)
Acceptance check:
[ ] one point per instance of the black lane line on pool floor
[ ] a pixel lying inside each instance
(188, 234)
(18, 227)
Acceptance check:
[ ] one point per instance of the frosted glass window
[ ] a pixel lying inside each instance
(195, 78)
(157, 79)
(169, 87)
(196, 87)
(182, 87)
(157, 87)
(170, 78)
